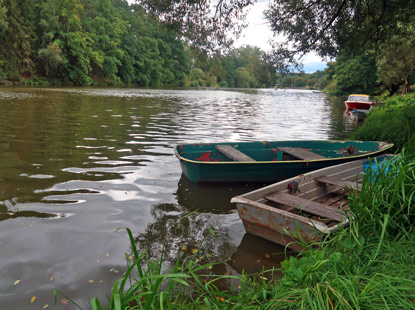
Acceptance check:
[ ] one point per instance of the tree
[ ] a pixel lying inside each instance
(206, 24)
(243, 78)
(17, 38)
(355, 75)
(61, 23)
(106, 27)
(328, 27)
(3, 17)
(396, 62)
(49, 59)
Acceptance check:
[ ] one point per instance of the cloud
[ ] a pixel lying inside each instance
(258, 33)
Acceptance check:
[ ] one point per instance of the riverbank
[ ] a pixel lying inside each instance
(366, 266)
(393, 121)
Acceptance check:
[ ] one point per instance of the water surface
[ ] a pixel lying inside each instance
(79, 164)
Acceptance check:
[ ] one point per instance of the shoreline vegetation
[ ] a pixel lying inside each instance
(368, 265)
(114, 43)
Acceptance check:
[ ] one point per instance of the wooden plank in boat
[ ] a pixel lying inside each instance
(232, 153)
(301, 153)
(307, 206)
(337, 182)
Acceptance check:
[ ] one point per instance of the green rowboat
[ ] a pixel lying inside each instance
(269, 161)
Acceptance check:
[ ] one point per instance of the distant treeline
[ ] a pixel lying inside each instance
(110, 42)
(82, 42)
(316, 80)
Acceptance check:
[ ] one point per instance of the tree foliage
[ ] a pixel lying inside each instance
(396, 62)
(355, 75)
(366, 36)
(82, 42)
(330, 26)
(207, 24)
(246, 66)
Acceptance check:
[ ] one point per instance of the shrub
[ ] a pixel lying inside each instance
(393, 121)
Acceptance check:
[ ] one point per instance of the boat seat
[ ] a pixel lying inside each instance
(307, 206)
(337, 182)
(301, 153)
(232, 153)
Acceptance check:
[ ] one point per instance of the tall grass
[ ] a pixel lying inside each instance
(386, 202)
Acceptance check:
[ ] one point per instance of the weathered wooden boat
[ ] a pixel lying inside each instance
(302, 210)
(358, 101)
(267, 161)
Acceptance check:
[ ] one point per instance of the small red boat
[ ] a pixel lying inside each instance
(358, 102)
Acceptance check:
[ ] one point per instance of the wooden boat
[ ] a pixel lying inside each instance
(358, 101)
(267, 161)
(301, 210)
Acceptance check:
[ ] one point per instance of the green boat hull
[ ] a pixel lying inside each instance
(203, 163)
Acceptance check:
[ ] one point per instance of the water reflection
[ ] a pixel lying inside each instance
(77, 164)
(255, 255)
(210, 198)
(6, 213)
(176, 234)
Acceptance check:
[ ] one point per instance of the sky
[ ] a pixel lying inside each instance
(258, 33)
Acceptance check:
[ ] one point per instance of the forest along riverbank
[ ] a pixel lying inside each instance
(77, 164)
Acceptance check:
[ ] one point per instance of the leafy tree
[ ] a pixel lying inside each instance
(3, 17)
(330, 26)
(396, 62)
(216, 70)
(61, 23)
(49, 59)
(106, 27)
(77, 57)
(355, 75)
(17, 38)
(243, 78)
(206, 24)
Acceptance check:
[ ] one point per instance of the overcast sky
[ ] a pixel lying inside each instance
(258, 33)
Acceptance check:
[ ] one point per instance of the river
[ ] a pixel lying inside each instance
(77, 165)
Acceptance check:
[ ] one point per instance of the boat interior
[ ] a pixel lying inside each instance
(274, 151)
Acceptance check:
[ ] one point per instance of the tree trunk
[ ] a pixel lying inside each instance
(406, 86)
(393, 89)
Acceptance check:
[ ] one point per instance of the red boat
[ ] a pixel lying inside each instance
(361, 102)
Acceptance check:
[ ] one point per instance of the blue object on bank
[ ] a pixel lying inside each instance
(382, 164)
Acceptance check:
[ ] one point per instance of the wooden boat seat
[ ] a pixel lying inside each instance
(341, 183)
(307, 206)
(301, 153)
(232, 153)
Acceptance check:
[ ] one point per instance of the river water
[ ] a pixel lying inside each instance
(77, 165)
